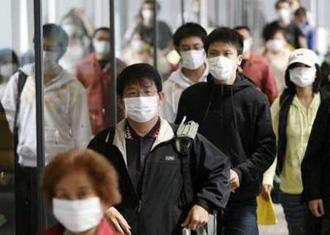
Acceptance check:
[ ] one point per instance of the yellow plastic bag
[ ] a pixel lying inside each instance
(266, 214)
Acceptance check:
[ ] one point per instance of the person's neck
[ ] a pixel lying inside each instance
(143, 128)
(92, 231)
(283, 23)
(48, 76)
(305, 95)
(194, 75)
(227, 82)
(147, 23)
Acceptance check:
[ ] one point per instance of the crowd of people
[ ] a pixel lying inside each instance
(197, 140)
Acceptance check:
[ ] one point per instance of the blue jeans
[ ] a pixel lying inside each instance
(238, 220)
(296, 214)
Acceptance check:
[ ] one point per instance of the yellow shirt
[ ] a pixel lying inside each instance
(299, 126)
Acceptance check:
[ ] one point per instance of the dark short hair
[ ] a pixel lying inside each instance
(291, 87)
(57, 33)
(242, 27)
(271, 31)
(225, 35)
(137, 72)
(189, 30)
(278, 2)
(8, 55)
(97, 168)
(301, 11)
(101, 29)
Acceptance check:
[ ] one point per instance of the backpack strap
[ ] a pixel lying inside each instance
(22, 77)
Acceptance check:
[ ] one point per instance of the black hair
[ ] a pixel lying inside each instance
(242, 27)
(189, 30)
(101, 29)
(137, 72)
(278, 2)
(301, 11)
(8, 55)
(225, 35)
(291, 87)
(271, 31)
(57, 33)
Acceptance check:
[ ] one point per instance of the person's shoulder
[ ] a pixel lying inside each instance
(87, 60)
(196, 91)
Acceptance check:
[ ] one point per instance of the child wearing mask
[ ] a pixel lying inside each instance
(189, 43)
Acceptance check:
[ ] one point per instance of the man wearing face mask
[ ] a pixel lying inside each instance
(293, 33)
(189, 42)
(234, 116)
(94, 73)
(256, 67)
(153, 171)
(66, 122)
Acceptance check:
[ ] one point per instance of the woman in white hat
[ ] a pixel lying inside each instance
(293, 114)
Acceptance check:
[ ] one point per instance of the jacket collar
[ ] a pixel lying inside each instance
(166, 133)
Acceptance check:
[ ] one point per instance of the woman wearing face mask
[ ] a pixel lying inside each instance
(79, 29)
(80, 185)
(293, 114)
(145, 27)
(8, 66)
(277, 52)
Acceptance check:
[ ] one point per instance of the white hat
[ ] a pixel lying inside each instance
(303, 56)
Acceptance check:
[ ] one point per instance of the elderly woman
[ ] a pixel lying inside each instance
(80, 185)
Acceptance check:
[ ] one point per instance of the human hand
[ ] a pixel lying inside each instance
(118, 221)
(316, 207)
(197, 217)
(234, 180)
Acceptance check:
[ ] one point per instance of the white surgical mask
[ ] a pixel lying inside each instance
(50, 59)
(6, 70)
(141, 109)
(275, 45)
(193, 59)
(78, 215)
(101, 47)
(284, 15)
(147, 14)
(221, 67)
(302, 76)
(247, 45)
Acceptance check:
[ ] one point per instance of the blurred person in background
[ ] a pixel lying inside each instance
(145, 27)
(325, 73)
(189, 43)
(300, 19)
(137, 51)
(256, 67)
(79, 29)
(66, 121)
(294, 35)
(8, 66)
(94, 73)
(277, 52)
(79, 186)
(293, 115)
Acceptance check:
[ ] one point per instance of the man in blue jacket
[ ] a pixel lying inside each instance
(235, 117)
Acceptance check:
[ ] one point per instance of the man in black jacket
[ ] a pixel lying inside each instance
(163, 188)
(234, 116)
(315, 168)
